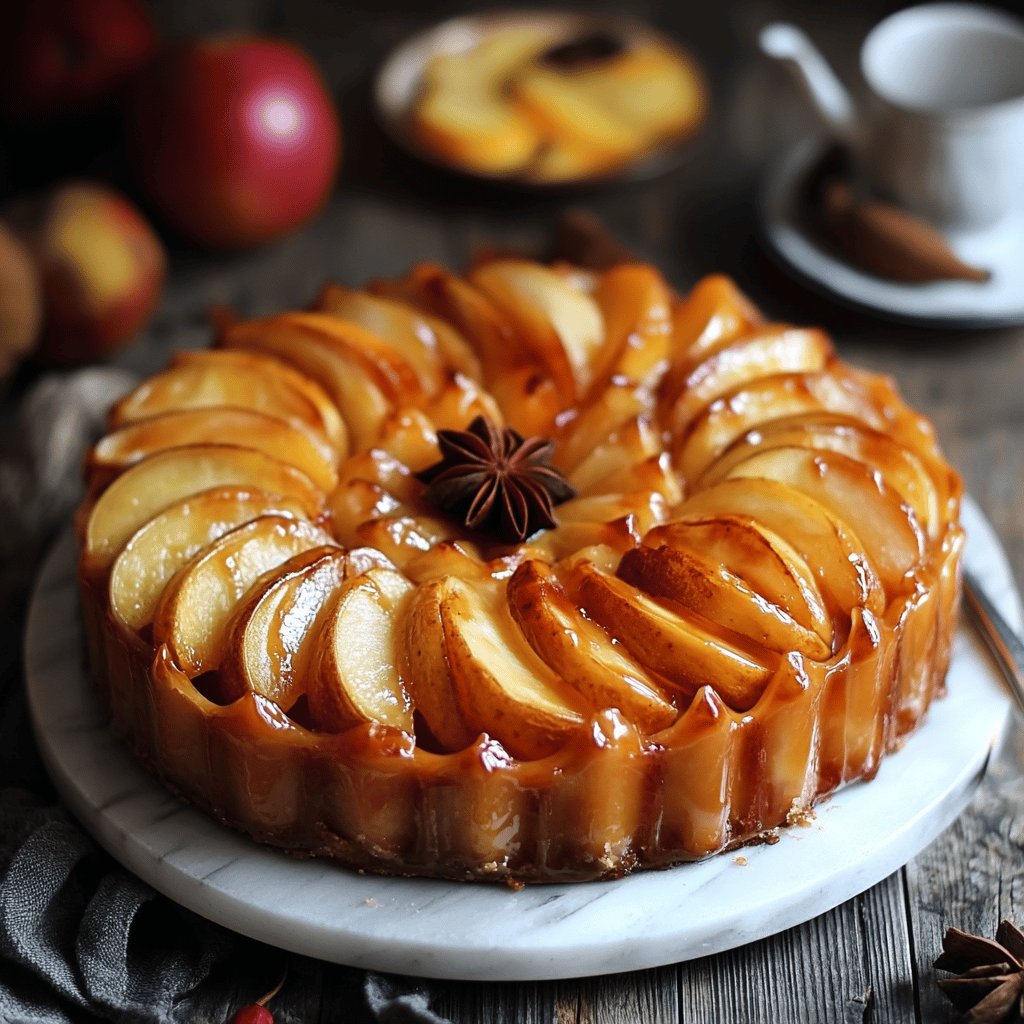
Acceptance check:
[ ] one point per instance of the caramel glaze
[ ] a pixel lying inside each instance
(607, 799)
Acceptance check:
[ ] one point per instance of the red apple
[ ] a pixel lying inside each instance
(61, 57)
(237, 139)
(101, 266)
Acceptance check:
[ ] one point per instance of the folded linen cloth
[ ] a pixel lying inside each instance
(81, 939)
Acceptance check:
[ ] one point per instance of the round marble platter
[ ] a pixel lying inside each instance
(485, 931)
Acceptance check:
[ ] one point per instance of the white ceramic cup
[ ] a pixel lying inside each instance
(941, 131)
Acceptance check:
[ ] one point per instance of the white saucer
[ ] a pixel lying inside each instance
(999, 302)
(487, 932)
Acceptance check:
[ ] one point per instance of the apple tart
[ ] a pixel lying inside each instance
(532, 574)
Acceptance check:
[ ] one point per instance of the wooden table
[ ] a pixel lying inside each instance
(869, 959)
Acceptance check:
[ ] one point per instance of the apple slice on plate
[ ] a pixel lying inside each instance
(768, 564)
(763, 354)
(195, 608)
(427, 672)
(719, 595)
(854, 493)
(159, 481)
(274, 631)
(170, 539)
(201, 379)
(673, 645)
(357, 675)
(290, 442)
(560, 324)
(582, 653)
(502, 686)
(432, 346)
(832, 550)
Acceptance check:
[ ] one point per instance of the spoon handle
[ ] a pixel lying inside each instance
(1004, 643)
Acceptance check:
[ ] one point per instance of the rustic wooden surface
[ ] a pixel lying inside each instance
(870, 959)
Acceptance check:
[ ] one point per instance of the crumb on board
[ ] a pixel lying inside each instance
(741, 860)
(370, 902)
(800, 814)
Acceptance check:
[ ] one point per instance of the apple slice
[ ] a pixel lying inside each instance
(364, 376)
(432, 346)
(195, 608)
(274, 631)
(561, 325)
(830, 548)
(357, 676)
(291, 442)
(674, 646)
(719, 595)
(612, 410)
(169, 540)
(636, 442)
(636, 304)
(502, 686)
(580, 652)
(426, 669)
(200, 379)
(857, 495)
(748, 406)
(902, 469)
(459, 402)
(159, 481)
(763, 354)
(766, 562)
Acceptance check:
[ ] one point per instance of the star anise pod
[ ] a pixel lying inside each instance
(989, 988)
(495, 479)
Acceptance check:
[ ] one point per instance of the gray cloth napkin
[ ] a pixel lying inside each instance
(81, 939)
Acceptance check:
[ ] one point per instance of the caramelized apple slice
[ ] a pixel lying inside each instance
(427, 672)
(503, 688)
(202, 379)
(364, 375)
(357, 677)
(580, 652)
(273, 632)
(720, 596)
(165, 543)
(634, 443)
(678, 648)
(290, 442)
(612, 410)
(196, 606)
(830, 548)
(854, 493)
(152, 485)
(763, 354)
(560, 324)
(766, 562)
(459, 402)
(431, 346)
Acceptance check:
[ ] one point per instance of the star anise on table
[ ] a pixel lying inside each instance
(989, 987)
(494, 479)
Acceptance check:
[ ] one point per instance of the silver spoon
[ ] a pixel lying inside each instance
(1004, 643)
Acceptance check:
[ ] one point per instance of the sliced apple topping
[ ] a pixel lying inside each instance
(159, 481)
(275, 629)
(503, 687)
(763, 354)
(720, 596)
(427, 672)
(291, 442)
(202, 379)
(749, 550)
(561, 325)
(357, 676)
(672, 644)
(581, 653)
(165, 543)
(830, 547)
(854, 493)
(195, 608)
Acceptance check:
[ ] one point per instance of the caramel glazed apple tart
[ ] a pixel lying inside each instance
(532, 574)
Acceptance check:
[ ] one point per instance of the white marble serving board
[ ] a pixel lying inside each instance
(488, 932)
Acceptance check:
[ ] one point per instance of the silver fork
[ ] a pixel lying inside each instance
(1004, 643)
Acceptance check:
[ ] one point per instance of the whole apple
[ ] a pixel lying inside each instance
(62, 57)
(236, 139)
(101, 268)
(21, 304)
